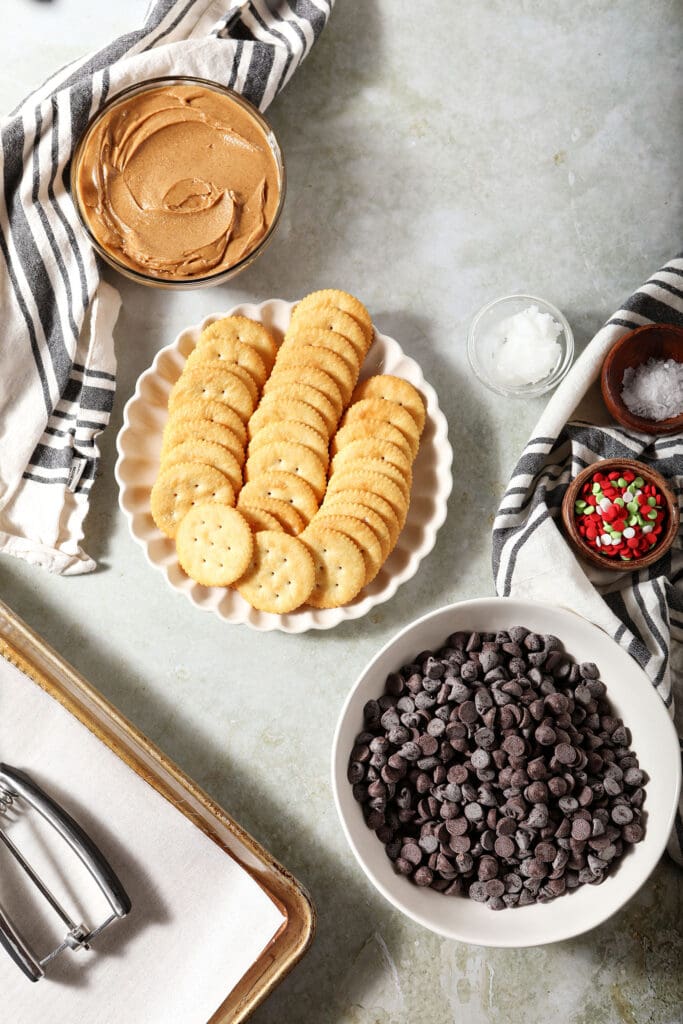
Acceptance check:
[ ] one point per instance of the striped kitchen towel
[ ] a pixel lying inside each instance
(643, 611)
(57, 363)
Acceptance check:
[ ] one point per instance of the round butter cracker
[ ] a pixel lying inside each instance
(339, 567)
(280, 408)
(292, 430)
(180, 487)
(214, 544)
(318, 337)
(342, 300)
(305, 393)
(360, 533)
(373, 448)
(213, 384)
(246, 331)
(286, 516)
(285, 487)
(311, 375)
(259, 519)
(288, 457)
(281, 573)
(340, 505)
(388, 412)
(206, 453)
(330, 318)
(217, 412)
(376, 483)
(394, 389)
(361, 466)
(344, 375)
(367, 498)
(229, 352)
(179, 430)
(359, 430)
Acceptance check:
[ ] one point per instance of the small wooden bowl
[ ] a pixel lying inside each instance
(658, 341)
(650, 475)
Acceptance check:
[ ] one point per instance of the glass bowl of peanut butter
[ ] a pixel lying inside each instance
(178, 182)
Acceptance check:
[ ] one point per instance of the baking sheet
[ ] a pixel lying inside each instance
(204, 924)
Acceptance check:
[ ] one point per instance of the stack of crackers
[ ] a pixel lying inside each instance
(280, 474)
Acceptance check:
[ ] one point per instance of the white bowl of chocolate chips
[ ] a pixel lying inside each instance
(505, 773)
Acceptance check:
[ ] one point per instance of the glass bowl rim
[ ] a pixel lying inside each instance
(523, 390)
(188, 282)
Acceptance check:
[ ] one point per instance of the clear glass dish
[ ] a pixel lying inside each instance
(152, 280)
(480, 345)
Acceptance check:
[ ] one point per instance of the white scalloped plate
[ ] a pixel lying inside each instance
(139, 447)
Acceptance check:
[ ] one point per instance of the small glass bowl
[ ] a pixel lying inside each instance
(480, 345)
(152, 280)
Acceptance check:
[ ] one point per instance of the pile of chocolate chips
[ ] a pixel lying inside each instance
(495, 768)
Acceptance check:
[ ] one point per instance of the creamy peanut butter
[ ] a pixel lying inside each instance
(178, 182)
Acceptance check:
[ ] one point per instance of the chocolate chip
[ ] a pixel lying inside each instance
(534, 868)
(536, 792)
(622, 814)
(410, 751)
(488, 840)
(474, 812)
(505, 846)
(478, 892)
(428, 744)
(565, 753)
(545, 735)
(468, 712)
(583, 694)
(390, 718)
(537, 769)
(495, 888)
(633, 777)
(581, 829)
(464, 863)
(480, 759)
(538, 816)
(557, 703)
(612, 786)
(460, 844)
(514, 745)
(545, 852)
(506, 827)
(632, 833)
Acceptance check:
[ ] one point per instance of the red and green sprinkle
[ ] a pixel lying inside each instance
(619, 514)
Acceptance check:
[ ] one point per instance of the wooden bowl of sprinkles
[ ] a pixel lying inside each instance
(590, 554)
(654, 341)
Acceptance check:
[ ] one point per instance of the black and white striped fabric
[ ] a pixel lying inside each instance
(643, 611)
(57, 362)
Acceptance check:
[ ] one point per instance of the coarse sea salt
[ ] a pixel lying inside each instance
(524, 347)
(654, 390)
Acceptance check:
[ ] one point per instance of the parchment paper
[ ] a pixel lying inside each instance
(199, 921)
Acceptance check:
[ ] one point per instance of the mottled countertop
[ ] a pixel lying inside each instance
(439, 154)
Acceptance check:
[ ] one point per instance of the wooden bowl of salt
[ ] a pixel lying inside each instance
(637, 361)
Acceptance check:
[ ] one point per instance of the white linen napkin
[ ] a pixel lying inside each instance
(57, 362)
(643, 611)
(198, 922)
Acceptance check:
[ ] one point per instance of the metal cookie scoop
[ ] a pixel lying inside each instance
(16, 786)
